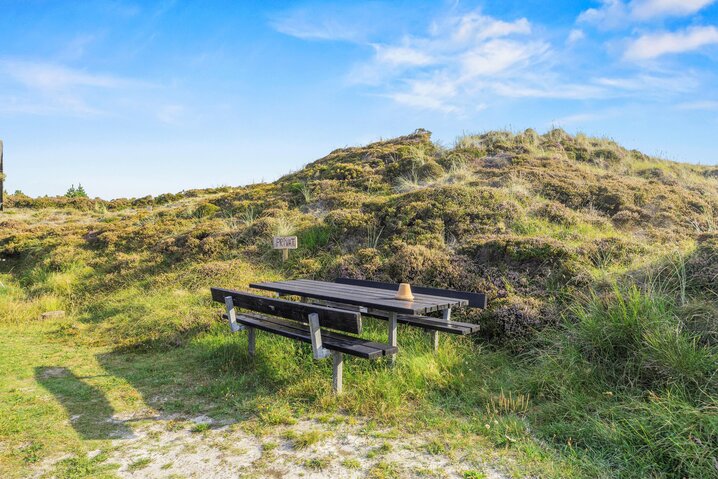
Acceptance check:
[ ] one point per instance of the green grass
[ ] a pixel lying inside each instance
(612, 371)
(303, 440)
(384, 470)
(202, 427)
(139, 464)
(351, 463)
(473, 475)
(592, 376)
(317, 463)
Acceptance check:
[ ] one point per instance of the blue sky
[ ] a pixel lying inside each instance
(136, 98)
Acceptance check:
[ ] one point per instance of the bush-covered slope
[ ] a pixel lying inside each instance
(600, 264)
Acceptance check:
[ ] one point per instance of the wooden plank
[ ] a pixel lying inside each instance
(333, 296)
(332, 341)
(337, 338)
(476, 300)
(332, 318)
(420, 299)
(348, 291)
(434, 324)
(360, 296)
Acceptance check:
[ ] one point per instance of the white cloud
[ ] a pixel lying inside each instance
(644, 9)
(44, 88)
(306, 29)
(699, 105)
(332, 22)
(654, 45)
(618, 13)
(431, 94)
(554, 90)
(456, 60)
(467, 60)
(402, 56)
(611, 14)
(498, 56)
(575, 36)
(53, 77)
(476, 27)
(648, 84)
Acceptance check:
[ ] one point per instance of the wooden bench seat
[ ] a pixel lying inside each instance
(435, 324)
(330, 340)
(425, 322)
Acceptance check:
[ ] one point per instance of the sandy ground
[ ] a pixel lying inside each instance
(338, 448)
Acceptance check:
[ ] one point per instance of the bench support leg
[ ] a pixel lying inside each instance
(315, 335)
(392, 335)
(251, 341)
(446, 316)
(337, 371)
(234, 326)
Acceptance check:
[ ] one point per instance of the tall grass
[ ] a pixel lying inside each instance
(637, 339)
(632, 384)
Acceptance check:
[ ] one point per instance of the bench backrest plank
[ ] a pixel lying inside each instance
(349, 321)
(476, 300)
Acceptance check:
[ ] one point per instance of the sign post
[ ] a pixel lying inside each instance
(285, 243)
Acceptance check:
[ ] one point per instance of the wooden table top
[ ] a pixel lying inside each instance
(374, 298)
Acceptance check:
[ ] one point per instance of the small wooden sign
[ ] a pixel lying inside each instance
(285, 243)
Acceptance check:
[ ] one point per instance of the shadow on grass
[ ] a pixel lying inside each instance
(90, 413)
(213, 375)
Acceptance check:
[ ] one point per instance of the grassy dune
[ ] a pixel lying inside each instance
(597, 357)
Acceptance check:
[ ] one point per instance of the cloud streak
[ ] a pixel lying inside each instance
(53, 77)
(619, 14)
(654, 45)
(47, 88)
(459, 59)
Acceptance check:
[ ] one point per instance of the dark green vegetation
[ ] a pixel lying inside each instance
(599, 351)
(78, 192)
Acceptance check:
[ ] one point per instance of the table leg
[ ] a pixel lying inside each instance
(251, 341)
(392, 335)
(446, 315)
(337, 371)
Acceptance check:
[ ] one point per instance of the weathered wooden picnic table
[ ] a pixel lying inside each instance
(367, 298)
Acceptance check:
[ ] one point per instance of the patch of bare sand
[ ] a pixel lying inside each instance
(202, 448)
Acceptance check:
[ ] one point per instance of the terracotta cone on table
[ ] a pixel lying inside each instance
(404, 292)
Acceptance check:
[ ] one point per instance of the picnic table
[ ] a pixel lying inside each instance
(368, 299)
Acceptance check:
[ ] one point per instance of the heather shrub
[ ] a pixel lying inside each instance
(702, 265)
(346, 222)
(206, 210)
(516, 318)
(555, 213)
(366, 263)
(415, 263)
